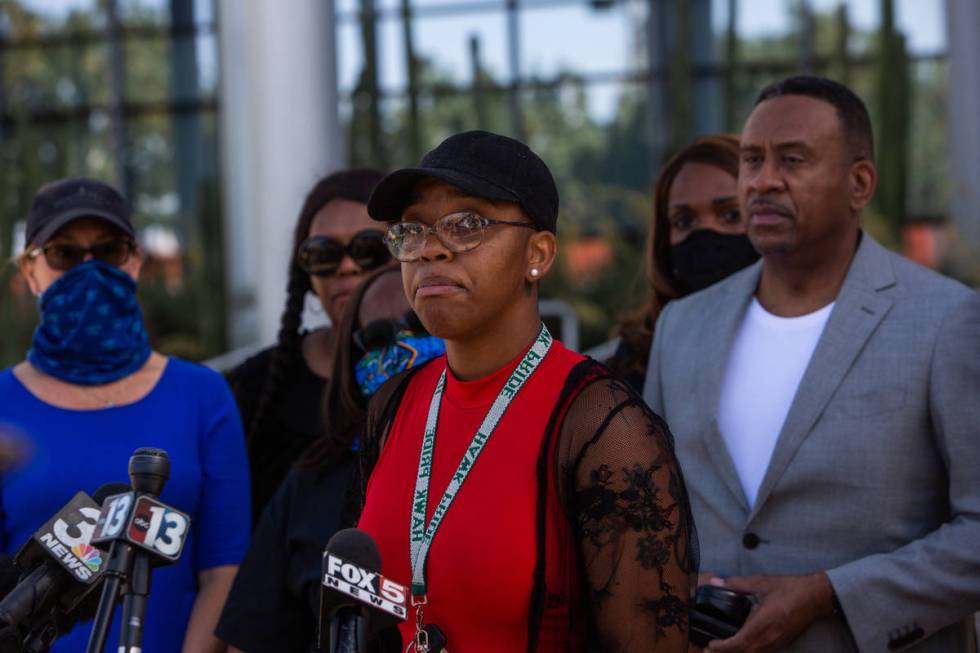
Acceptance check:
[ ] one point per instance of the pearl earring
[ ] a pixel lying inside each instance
(534, 272)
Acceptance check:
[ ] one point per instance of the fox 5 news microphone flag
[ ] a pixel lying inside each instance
(357, 604)
(368, 587)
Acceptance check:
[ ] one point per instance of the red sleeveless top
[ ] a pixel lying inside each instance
(481, 564)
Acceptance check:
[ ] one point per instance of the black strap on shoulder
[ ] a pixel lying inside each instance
(381, 412)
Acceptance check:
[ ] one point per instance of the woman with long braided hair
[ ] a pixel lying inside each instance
(280, 389)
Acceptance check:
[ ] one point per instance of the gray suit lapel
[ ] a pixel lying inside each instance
(718, 331)
(857, 312)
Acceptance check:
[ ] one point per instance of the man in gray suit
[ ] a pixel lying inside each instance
(826, 405)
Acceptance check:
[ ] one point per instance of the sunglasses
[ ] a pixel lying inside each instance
(459, 232)
(64, 256)
(321, 256)
(383, 333)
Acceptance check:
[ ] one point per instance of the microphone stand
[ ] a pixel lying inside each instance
(134, 605)
(117, 570)
(149, 470)
(348, 632)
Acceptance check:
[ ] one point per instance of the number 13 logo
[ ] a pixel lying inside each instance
(116, 517)
(166, 531)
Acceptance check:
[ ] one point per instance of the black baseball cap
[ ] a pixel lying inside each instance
(481, 164)
(59, 202)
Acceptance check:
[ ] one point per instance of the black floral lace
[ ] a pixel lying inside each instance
(624, 493)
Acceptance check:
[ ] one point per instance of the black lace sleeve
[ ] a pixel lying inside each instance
(625, 494)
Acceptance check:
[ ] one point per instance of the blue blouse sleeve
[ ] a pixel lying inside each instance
(223, 524)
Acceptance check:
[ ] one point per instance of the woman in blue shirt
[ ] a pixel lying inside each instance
(91, 392)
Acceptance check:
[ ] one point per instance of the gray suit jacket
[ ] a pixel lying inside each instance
(875, 477)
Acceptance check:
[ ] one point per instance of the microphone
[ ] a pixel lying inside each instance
(140, 531)
(358, 605)
(138, 518)
(59, 568)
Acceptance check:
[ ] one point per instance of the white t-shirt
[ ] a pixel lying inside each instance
(767, 362)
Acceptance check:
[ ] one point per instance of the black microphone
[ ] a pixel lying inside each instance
(138, 517)
(59, 568)
(140, 531)
(358, 606)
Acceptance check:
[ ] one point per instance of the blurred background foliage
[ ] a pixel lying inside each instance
(152, 123)
(604, 172)
(149, 126)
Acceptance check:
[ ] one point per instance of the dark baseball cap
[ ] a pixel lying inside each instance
(481, 164)
(59, 202)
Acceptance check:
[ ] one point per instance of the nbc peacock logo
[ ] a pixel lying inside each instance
(88, 554)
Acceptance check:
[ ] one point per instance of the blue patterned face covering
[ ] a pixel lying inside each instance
(408, 350)
(91, 329)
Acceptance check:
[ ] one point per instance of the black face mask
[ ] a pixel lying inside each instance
(707, 256)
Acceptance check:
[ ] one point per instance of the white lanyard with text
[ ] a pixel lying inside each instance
(421, 536)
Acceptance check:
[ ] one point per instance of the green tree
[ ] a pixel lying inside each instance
(893, 123)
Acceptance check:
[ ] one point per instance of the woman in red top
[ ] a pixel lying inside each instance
(528, 497)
